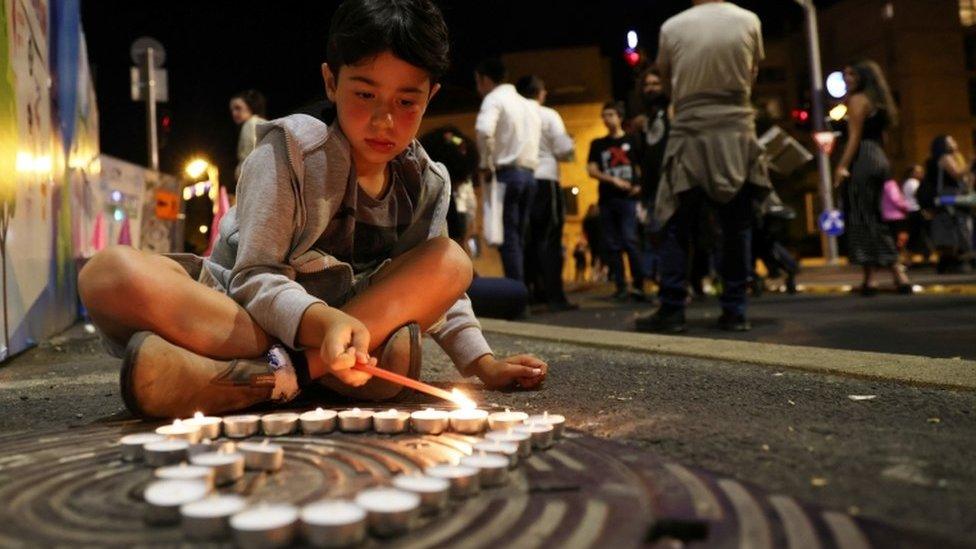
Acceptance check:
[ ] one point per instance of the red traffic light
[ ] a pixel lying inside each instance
(166, 122)
(632, 57)
(800, 115)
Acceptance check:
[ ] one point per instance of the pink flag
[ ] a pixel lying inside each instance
(125, 234)
(223, 204)
(98, 233)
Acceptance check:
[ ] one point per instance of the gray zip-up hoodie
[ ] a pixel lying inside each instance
(291, 186)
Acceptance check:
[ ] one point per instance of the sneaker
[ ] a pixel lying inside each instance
(401, 354)
(669, 320)
(732, 322)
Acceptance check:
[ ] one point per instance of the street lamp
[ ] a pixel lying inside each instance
(195, 170)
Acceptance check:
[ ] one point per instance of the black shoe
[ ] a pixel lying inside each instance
(732, 322)
(564, 306)
(664, 320)
(905, 289)
(791, 284)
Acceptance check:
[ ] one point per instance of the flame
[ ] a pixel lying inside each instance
(462, 400)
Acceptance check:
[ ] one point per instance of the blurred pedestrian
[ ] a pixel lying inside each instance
(594, 237)
(247, 109)
(918, 233)
(894, 212)
(579, 258)
(652, 125)
(449, 146)
(951, 228)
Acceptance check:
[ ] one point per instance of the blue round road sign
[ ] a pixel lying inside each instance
(831, 222)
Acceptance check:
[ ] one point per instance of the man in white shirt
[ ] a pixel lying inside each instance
(508, 132)
(544, 243)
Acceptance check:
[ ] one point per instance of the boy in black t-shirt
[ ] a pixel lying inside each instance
(613, 162)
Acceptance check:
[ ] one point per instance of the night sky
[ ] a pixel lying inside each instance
(216, 48)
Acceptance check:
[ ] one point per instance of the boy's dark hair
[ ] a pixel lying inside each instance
(614, 106)
(412, 30)
(254, 101)
(530, 86)
(493, 68)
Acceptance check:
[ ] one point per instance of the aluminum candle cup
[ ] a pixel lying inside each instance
(557, 422)
(493, 468)
(262, 456)
(433, 491)
(227, 467)
(333, 523)
(355, 420)
(186, 472)
(464, 480)
(165, 452)
(180, 430)
(390, 421)
(209, 425)
(164, 498)
(429, 421)
(523, 440)
(506, 420)
(318, 421)
(205, 446)
(265, 526)
(208, 519)
(542, 434)
(241, 426)
(131, 445)
(279, 424)
(389, 511)
(507, 449)
(468, 422)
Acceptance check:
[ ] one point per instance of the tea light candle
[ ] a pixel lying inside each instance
(180, 430)
(165, 452)
(433, 491)
(355, 420)
(241, 426)
(493, 468)
(556, 420)
(208, 519)
(164, 498)
(186, 472)
(265, 526)
(429, 421)
(506, 419)
(318, 421)
(464, 480)
(333, 523)
(279, 424)
(389, 511)
(523, 440)
(209, 425)
(507, 449)
(262, 456)
(542, 434)
(390, 421)
(228, 467)
(131, 445)
(468, 421)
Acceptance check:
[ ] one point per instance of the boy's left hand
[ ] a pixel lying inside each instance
(525, 371)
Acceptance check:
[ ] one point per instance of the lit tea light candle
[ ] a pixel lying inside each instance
(468, 421)
(181, 430)
(333, 523)
(390, 421)
(542, 434)
(464, 480)
(506, 420)
(389, 511)
(228, 467)
(433, 491)
(131, 445)
(262, 456)
(242, 426)
(356, 420)
(507, 449)
(209, 425)
(165, 452)
(186, 472)
(164, 498)
(208, 519)
(429, 421)
(279, 424)
(318, 421)
(493, 467)
(556, 420)
(523, 440)
(265, 526)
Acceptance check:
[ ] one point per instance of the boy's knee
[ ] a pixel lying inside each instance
(452, 264)
(110, 271)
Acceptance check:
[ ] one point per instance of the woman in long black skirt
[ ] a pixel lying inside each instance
(864, 167)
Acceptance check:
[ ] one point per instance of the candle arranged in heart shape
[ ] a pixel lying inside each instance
(334, 523)
(279, 424)
(541, 433)
(242, 426)
(181, 430)
(318, 421)
(390, 421)
(164, 498)
(506, 420)
(390, 511)
(555, 420)
(493, 467)
(262, 456)
(186, 472)
(464, 480)
(132, 445)
(165, 452)
(227, 466)
(208, 519)
(468, 421)
(433, 491)
(265, 526)
(523, 440)
(355, 420)
(209, 425)
(429, 421)
(507, 449)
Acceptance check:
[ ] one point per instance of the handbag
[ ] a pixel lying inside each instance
(493, 206)
(949, 229)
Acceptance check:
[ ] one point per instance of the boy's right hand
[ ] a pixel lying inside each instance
(345, 342)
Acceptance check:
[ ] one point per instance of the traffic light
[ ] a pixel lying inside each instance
(801, 118)
(632, 57)
(165, 126)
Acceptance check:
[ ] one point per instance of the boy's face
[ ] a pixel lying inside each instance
(380, 103)
(611, 119)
